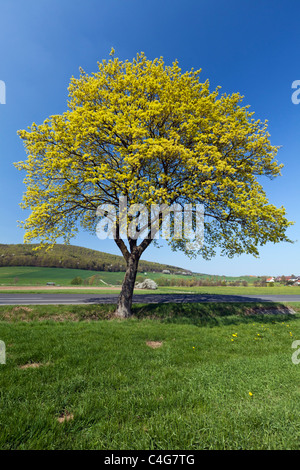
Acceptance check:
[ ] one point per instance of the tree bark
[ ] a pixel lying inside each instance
(125, 298)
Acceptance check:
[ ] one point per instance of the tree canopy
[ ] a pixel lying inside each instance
(156, 135)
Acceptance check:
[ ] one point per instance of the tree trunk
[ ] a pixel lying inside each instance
(125, 297)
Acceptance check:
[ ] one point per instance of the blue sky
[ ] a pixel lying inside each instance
(247, 46)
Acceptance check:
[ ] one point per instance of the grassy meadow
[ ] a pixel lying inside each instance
(175, 376)
(183, 377)
(39, 276)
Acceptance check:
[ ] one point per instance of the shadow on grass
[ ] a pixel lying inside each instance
(213, 314)
(199, 314)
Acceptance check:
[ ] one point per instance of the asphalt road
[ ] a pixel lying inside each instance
(77, 299)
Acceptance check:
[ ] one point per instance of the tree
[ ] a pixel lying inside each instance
(77, 281)
(283, 280)
(150, 133)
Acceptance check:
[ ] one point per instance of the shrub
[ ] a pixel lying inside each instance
(77, 281)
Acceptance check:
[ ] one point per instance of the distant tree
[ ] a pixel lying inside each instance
(282, 279)
(77, 281)
(156, 135)
(141, 279)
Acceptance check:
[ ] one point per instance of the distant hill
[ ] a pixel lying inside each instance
(72, 257)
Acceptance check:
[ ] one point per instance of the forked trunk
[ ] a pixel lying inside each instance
(125, 297)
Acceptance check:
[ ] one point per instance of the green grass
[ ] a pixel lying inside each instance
(232, 290)
(284, 290)
(30, 276)
(199, 314)
(191, 393)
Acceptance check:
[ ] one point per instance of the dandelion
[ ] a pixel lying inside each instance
(250, 394)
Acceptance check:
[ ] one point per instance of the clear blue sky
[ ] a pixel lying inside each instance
(249, 46)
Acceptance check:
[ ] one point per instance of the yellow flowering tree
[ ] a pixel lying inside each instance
(155, 135)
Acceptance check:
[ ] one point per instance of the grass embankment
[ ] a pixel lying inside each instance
(201, 376)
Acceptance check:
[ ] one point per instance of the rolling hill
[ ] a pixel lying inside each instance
(19, 264)
(72, 257)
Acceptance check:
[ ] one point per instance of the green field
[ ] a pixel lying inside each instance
(39, 276)
(221, 379)
(36, 276)
(33, 275)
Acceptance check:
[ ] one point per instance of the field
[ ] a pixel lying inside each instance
(173, 377)
(37, 277)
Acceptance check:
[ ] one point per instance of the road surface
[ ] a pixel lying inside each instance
(79, 299)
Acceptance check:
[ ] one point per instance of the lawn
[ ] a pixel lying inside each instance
(219, 379)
